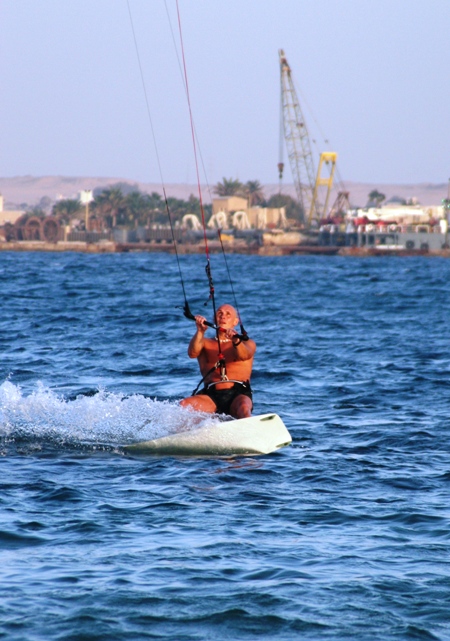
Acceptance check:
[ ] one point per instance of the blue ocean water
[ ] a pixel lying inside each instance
(343, 535)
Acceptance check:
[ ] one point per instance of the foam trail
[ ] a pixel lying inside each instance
(103, 419)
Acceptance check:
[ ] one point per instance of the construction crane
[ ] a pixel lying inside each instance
(308, 184)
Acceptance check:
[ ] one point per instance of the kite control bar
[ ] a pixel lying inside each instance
(187, 312)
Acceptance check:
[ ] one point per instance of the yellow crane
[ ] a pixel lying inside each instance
(308, 184)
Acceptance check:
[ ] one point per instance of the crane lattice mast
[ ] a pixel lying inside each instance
(297, 140)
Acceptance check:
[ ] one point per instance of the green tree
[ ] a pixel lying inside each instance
(375, 198)
(193, 207)
(253, 190)
(228, 187)
(35, 210)
(137, 208)
(110, 204)
(293, 207)
(157, 209)
(178, 208)
(67, 208)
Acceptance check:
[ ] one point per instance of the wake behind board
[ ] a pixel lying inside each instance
(251, 436)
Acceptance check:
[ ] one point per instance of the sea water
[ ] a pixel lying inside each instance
(343, 535)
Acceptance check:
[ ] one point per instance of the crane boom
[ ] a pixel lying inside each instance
(307, 183)
(297, 138)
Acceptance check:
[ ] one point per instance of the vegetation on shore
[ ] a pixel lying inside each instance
(254, 192)
(125, 205)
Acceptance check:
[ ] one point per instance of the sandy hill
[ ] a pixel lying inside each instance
(20, 191)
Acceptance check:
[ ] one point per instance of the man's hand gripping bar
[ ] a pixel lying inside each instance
(188, 314)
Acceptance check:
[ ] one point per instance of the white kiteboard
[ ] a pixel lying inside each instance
(251, 436)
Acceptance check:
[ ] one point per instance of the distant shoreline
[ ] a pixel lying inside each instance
(110, 247)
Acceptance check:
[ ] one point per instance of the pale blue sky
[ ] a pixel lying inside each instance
(372, 73)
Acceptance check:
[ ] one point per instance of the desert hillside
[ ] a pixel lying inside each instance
(21, 191)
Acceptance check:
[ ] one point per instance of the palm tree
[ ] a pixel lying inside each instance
(228, 187)
(253, 190)
(109, 203)
(156, 201)
(156, 209)
(67, 208)
(137, 207)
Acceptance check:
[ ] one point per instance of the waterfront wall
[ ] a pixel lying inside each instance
(103, 247)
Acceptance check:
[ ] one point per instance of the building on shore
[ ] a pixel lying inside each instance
(234, 211)
(9, 215)
(390, 228)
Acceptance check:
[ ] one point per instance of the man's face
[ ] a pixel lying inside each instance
(226, 317)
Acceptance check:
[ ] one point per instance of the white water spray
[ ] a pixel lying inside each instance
(106, 418)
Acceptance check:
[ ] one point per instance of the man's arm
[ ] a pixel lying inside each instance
(198, 340)
(244, 350)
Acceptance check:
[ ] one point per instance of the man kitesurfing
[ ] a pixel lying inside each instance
(225, 364)
(225, 361)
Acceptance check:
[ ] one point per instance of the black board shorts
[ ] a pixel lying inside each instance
(223, 398)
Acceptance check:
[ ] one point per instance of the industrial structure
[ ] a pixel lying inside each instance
(308, 184)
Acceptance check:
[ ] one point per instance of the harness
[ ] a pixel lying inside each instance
(220, 365)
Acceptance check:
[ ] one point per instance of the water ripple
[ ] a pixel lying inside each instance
(344, 535)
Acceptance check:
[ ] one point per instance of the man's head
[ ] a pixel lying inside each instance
(226, 317)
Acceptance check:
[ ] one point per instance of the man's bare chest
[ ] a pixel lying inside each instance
(211, 351)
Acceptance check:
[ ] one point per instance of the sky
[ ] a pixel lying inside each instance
(371, 77)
